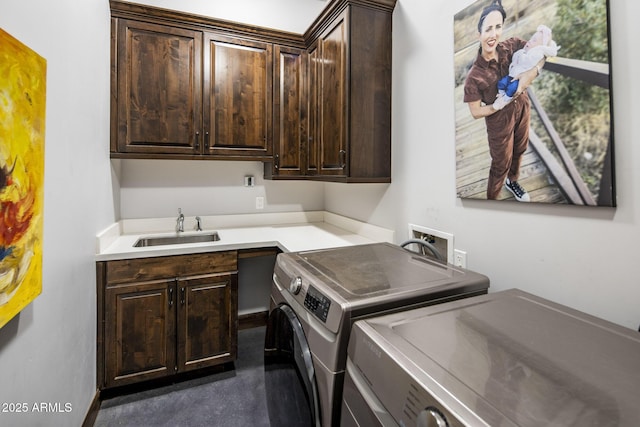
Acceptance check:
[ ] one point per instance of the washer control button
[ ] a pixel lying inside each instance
(295, 285)
(431, 417)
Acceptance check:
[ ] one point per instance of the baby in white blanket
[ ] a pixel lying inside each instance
(540, 45)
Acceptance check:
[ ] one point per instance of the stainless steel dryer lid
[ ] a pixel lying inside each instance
(382, 268)
(534, 362)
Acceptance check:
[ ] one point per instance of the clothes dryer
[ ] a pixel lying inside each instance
(504, 359)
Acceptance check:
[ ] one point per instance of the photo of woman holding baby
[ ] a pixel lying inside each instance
(493, 86)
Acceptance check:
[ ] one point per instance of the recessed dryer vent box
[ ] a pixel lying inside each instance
(442, 241)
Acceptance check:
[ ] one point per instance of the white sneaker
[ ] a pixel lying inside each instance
(518, 192)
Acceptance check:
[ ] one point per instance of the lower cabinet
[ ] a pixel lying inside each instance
(165, 315)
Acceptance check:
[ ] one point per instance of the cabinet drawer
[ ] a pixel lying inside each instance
(141, 269)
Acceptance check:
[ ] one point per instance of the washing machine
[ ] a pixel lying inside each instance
(504, 359)
(315, 298)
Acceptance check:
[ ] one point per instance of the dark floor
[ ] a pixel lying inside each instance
(233, 398)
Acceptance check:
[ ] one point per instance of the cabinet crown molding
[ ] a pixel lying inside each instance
(128, 10)
(125, 9)
(335, 7)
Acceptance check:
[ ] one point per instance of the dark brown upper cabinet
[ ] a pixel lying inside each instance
(190, 87)
(331, 106)
(290, 111)
(353, 89)
(238, 100)
(344, 121)
(311, 106)
(158, 89)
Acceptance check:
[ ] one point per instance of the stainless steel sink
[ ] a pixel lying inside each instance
(176, 240)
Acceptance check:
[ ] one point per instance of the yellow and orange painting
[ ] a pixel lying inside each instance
(22, 123)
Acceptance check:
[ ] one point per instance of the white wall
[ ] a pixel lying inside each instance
(581, 257)
(47, 352)
(157, 188)
(286, 15)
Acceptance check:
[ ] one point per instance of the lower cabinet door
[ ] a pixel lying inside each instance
(139, 332)
(207, 321)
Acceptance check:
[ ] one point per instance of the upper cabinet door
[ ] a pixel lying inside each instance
(290, 112)
(313, 139)
(333, 107)
(238, 97)
(159, 89)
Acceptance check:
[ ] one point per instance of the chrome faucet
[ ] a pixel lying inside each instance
(198, 223)
(180, 221)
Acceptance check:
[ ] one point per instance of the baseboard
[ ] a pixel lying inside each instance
(252, 320)
(92, 412)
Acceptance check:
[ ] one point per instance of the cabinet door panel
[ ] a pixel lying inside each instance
(139, 332)
(159, 88)
(314, 113)
(238, 100)
(207, 322)
(333, 99)
(370, 59)
(290, 111)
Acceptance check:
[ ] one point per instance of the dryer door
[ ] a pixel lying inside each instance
(292, 395)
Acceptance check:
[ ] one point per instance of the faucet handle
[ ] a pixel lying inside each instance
(180, 221)
(198, 223)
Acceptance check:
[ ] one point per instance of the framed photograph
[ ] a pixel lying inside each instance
(533, 107)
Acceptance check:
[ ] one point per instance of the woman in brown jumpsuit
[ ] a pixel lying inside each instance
(507, 124)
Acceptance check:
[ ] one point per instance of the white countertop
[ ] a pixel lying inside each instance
(291, 232)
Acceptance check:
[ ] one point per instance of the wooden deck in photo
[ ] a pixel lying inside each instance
(473, 162)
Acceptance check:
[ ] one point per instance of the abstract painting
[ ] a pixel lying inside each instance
(22, 129)
(533, 103)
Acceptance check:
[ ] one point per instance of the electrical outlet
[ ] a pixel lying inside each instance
(460, 258)
(259, 202)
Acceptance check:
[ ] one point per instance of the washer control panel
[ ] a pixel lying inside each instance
(317, 303)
